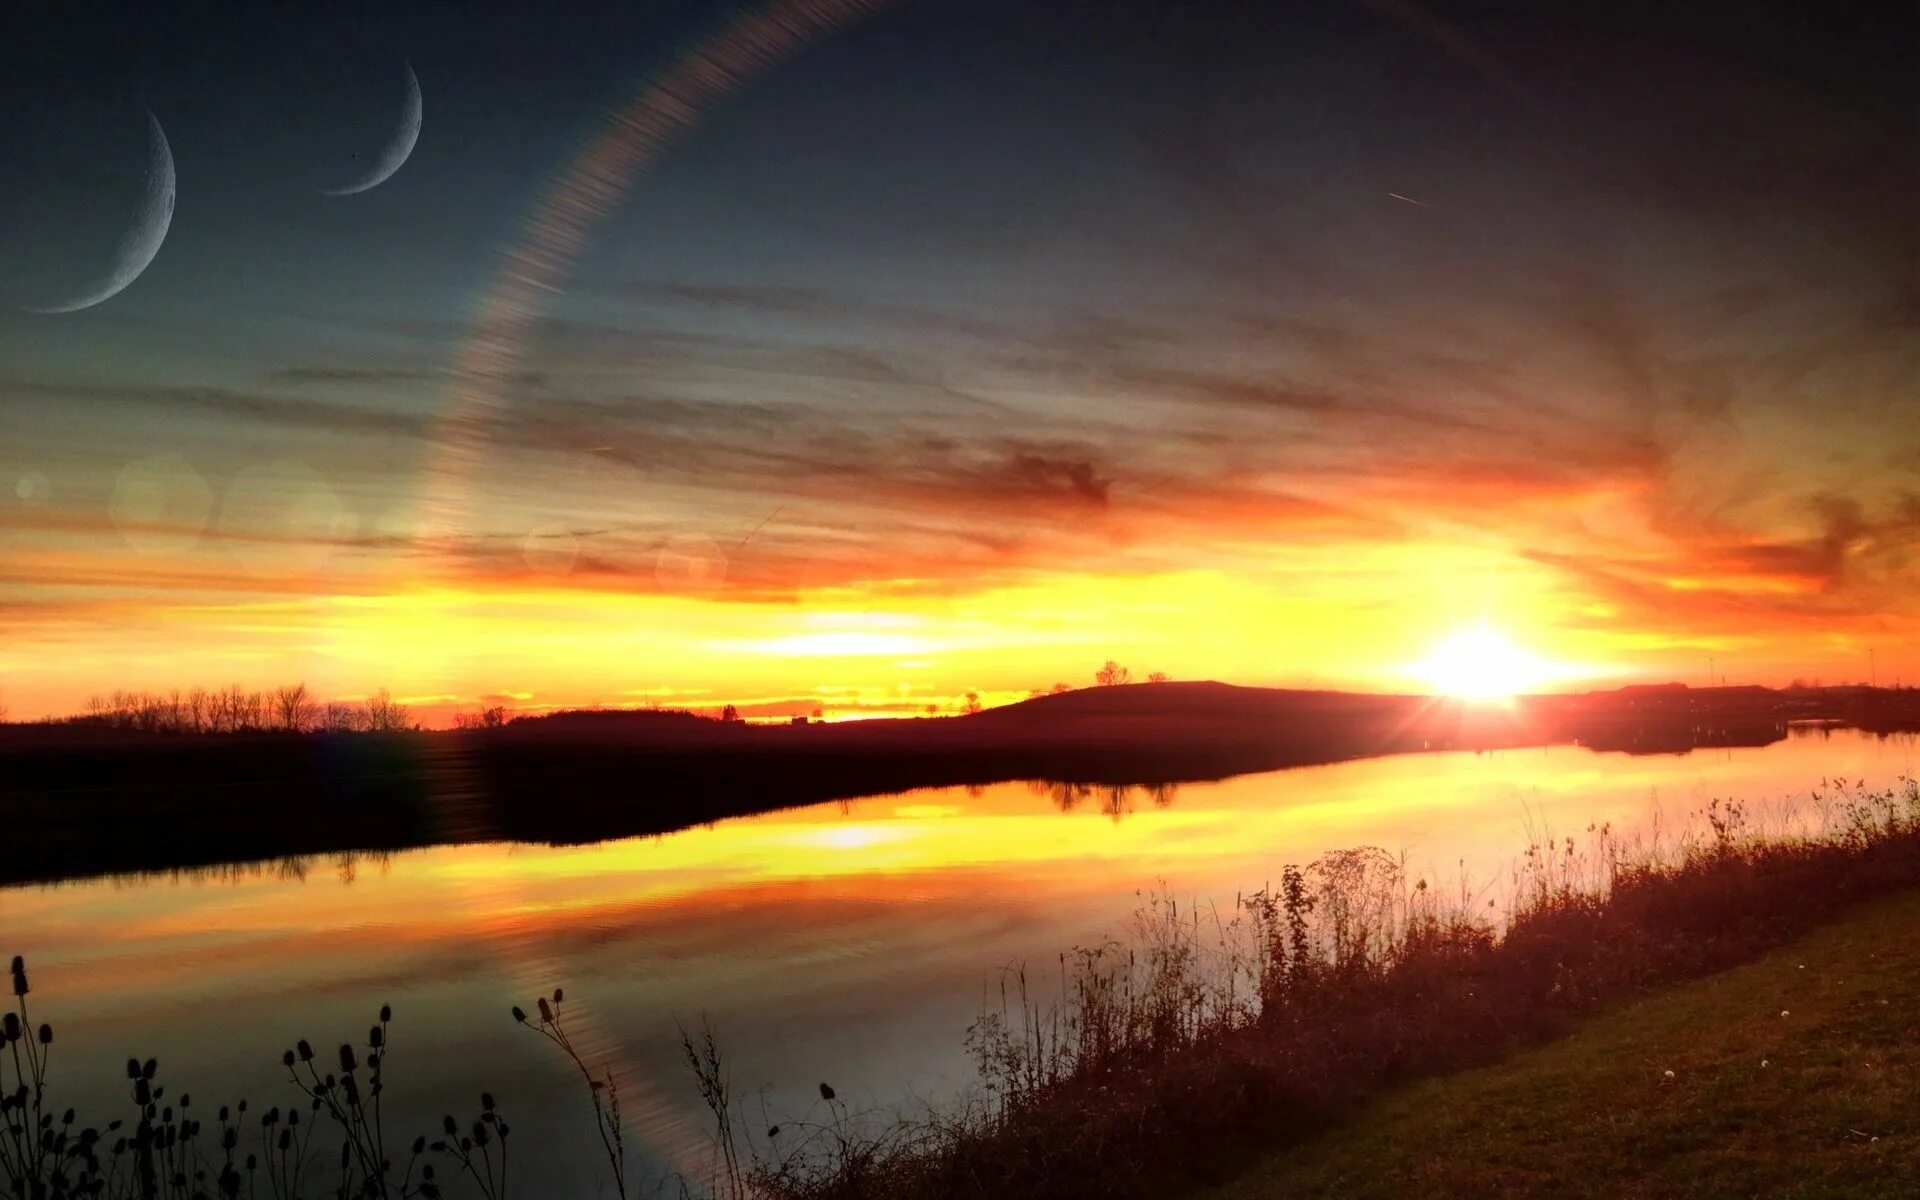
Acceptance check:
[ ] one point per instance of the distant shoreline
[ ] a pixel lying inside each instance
(80, 801)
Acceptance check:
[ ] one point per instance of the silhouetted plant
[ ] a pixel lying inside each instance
(702, 1057)
(166, 1155)
(352, 1100)
(604, 1089)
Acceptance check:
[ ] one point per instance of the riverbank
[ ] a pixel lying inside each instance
(93, 799)
(1792, 1076)
(1179, 1058)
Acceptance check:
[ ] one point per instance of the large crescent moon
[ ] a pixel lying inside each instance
(399, 146)
(142, 240)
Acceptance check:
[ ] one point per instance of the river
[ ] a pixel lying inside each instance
(846, 943)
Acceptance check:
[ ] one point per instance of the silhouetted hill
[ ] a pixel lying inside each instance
(1207, 700)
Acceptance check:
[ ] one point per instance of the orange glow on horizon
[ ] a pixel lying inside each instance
(1302, 616)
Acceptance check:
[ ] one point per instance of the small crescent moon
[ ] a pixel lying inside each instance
(142, 240)
(399, 146)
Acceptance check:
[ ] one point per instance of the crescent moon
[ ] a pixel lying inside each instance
(398, 147)
(142, 240)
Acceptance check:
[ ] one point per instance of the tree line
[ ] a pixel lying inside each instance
(294, 709)
(291, 709)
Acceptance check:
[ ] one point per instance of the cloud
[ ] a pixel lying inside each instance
(345, 375)
(1077, 477)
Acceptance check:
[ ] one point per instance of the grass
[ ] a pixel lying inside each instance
(1796, 1075)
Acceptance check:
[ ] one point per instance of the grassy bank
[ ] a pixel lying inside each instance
(1797, 1075)
(1171, 1060)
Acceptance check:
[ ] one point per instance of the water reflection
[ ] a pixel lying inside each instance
(295, 868)
(851, 942)
(1114, 799)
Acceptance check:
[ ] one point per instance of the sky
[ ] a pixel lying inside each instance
(857, 355)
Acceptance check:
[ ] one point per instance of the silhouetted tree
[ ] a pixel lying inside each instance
(235, 709)
(492, 717)
(1158, 677)
(292, 708)
(339, 717)
(384, 714)
(973, 702)
(1112, 674)
(729, 713)
(1061, 688)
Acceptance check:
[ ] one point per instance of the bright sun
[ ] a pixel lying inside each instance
(1481, 664)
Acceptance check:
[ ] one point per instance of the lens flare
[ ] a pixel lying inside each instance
(1481, 664)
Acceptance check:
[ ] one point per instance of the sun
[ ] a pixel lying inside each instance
(1481, 664)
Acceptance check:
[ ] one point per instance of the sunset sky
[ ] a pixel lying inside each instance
(947, 345)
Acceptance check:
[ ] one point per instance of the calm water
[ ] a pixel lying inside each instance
(847, 943)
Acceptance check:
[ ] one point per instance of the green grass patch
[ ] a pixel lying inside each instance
(1796, 1075)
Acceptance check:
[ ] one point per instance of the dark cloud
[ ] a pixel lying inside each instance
(1078, 477)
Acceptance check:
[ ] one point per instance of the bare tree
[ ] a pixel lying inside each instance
(384, 714)
(1112, 674)
(1159, 677)
(1061, 688)
(339, 717)
(973, 702)
(235, 709)
(293, 709)
(491, 717)
(194, 710)
(729, 713)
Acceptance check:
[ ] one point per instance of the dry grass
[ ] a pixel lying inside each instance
(1793, 1076)
(1167, 1060)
